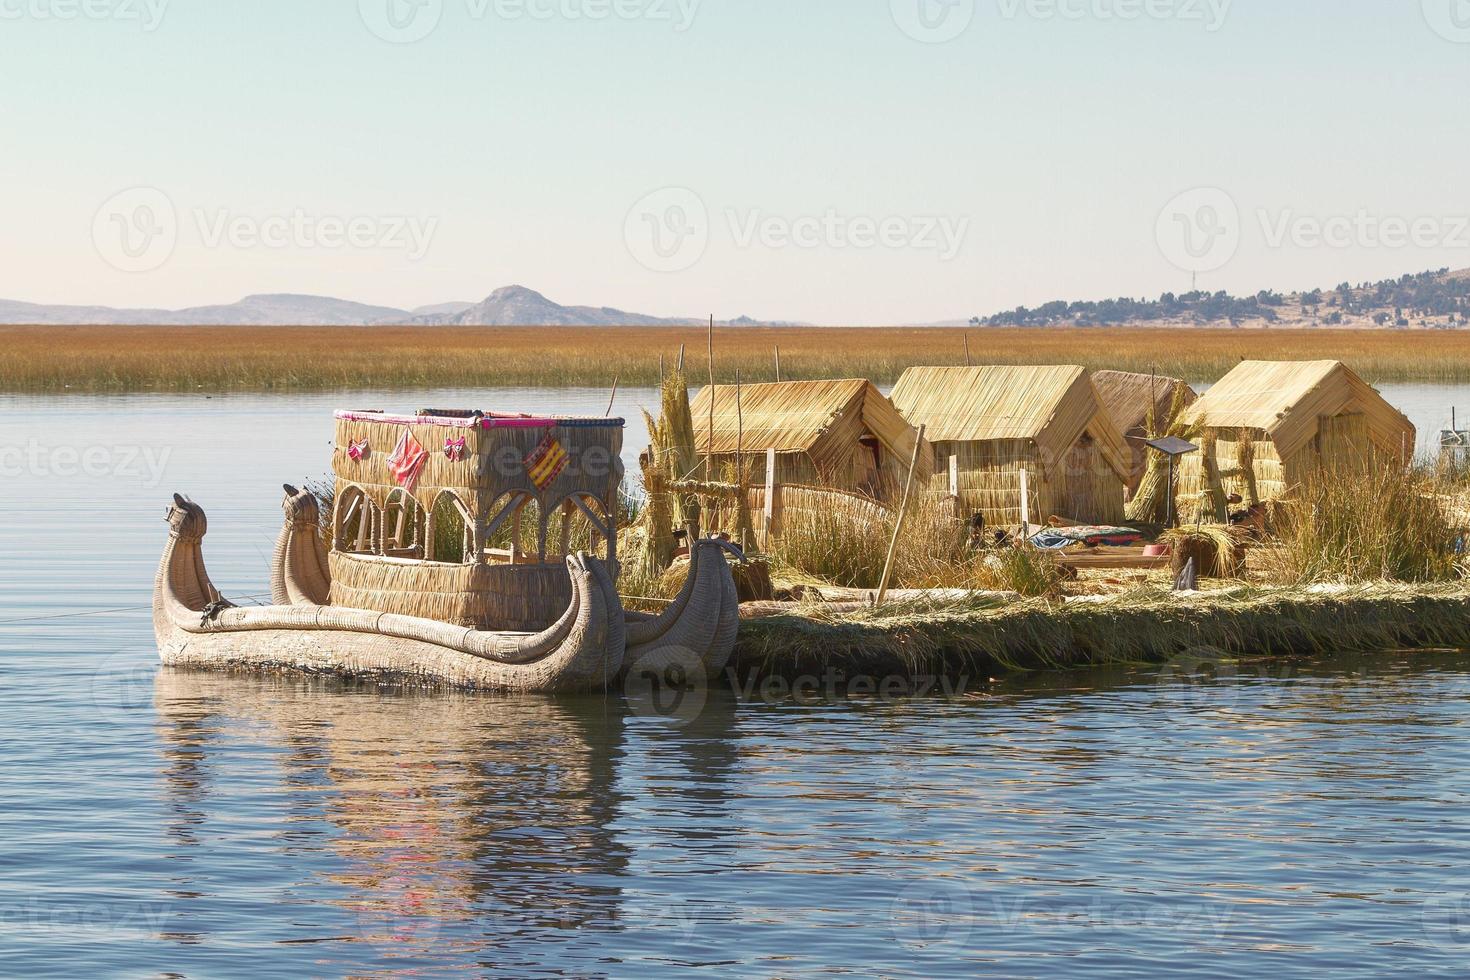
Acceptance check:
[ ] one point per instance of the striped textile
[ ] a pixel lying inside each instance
(408, 461)
(546, 462)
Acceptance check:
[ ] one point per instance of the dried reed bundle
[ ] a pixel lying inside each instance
(1150, 503)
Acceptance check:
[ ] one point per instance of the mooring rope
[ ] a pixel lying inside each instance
(106, 612)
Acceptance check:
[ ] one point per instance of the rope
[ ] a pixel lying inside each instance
(101, 612)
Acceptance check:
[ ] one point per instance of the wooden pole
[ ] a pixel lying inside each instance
(773, 503)
(903, 510)
(778, 363)
(660, 371)
(612, 400)
(709, 457)
(681, 358)
(968, 363)
(739, 436)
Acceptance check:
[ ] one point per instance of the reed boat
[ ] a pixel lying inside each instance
(448, 558)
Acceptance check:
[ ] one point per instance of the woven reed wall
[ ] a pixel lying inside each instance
(519, 598)
(495, 462)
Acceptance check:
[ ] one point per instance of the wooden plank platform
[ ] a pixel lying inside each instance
(1113, 558)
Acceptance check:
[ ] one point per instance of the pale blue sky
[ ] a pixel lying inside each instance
(1053, 142)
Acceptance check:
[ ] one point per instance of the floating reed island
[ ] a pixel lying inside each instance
(982, 519)
(1030, 528)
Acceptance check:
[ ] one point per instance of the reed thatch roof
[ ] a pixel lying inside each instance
(1052, 406)
(796, 417)
(1129, 397)
(1287, 400)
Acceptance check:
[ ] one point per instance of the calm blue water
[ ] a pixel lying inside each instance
(1201, 820)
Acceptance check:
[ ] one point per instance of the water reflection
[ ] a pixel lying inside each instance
(421, 818)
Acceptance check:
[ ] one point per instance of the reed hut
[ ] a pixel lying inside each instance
(1267, 426)
(988, 425)
(1135, 401)
(842, 435)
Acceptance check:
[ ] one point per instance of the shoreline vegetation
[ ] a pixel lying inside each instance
(120, 359)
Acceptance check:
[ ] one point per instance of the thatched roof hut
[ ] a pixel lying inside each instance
(988, 424)
(840, 434)
(1282, 420)
(1132, 400)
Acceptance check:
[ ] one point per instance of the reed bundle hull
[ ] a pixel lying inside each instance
(589, 647)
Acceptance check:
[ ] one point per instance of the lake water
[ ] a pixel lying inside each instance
(1199, 820)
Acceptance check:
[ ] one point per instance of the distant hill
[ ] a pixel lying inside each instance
(511, 306)
(264, 310)
(517, 306)
(1438, 299)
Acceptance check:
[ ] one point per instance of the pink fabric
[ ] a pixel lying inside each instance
(408, 461)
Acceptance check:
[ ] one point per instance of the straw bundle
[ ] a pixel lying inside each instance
(1150, 503)
(1216, 550)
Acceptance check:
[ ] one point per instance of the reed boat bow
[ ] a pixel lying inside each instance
(582, 651)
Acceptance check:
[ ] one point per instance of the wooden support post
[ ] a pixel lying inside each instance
(709, 456)
(954, 477)
(903, 509)
(772, 515)
(1025, 504)
(739, 435)
(967, 350)
(778, 363)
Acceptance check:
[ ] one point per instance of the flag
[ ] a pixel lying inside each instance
(408, 461)
(546, 462)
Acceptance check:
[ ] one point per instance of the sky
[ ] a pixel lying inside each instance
(828, 161)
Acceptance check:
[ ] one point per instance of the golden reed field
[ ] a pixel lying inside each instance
(112, 358)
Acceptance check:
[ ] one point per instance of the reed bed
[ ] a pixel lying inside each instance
(121, 358)
(1388, 524)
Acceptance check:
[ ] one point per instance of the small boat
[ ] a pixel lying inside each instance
(452, 565)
